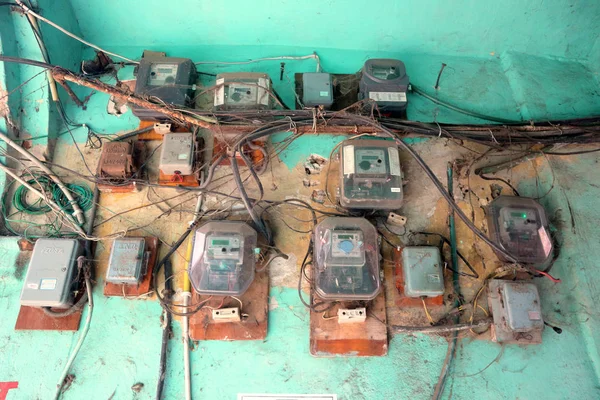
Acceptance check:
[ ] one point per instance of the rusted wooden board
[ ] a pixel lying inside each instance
(34, 319)
(113, 289)
(255, 304)
(400, 299)
(329, 338)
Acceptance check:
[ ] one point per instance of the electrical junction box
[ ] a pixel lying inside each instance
(169, 79)
(177, 154)
(116, 160)
(317, 89)
(243, 91)
(370, 175)
(519, 226)
(49, 281)
(223, 258)
(346, 316)
(226, 315)
(516, 311)
(385, 82)
(346, 259)
(127, 263)
(422, 271)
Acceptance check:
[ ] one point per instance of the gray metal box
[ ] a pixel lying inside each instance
(127, 261)
(177, 154)
(516, 311)
(422, 270)
(317, 89)
(49, 277)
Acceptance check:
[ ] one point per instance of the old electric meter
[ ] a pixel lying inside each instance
(243, 91)
(49, 281)
(519, 226)
(223, 258)
(516, 310)
(346, 259)
(385, 82)
(422, 271)
(370, 175)
(127, 262)
(317, 89)
(177, 154)
(169, 79)
(116, 160)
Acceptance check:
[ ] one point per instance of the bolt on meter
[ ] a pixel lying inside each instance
(346, 259)
(370, 175)
(223, 259)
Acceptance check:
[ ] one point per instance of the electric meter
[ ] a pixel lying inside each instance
(223, 259)
(243, 91)
(116, 160)
(385, 82)
(49, 280)
(422, 271)
(177, 154)
(519, 226)
(169, 79)
(127, 263)
(370, 175)
(346, 259)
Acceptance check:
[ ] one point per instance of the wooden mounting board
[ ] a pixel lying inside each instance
(328, 338)
(255, 304)
(114, 289)
(34, 319)
(400, 299)
(255, 155)
(168, 180)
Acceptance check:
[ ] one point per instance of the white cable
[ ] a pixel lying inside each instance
(313, 55)
(86, 328)
(77, 212)
(28, 11)
(48, 201)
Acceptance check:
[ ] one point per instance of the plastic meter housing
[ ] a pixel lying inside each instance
(223, 259)
(519, 226)
(384, 81)
(243, 91)
(370, 175)
(169, 79)
(346, 259)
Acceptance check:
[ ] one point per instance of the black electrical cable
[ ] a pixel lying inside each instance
(132, 134)
(313, 307)
(445, 241)
(489, 178)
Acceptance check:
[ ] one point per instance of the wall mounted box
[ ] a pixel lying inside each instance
(127, 261)
(370, 175)
(116, 160)
(49, 280)
(170, 79)
(385, 82)
(317, 89)
(177, 154)
(243, 91)
(423, 272)
(346, 259)
(223, 260)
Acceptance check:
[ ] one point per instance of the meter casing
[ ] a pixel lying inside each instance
(243, 91)
(520, 227)
(169, 79)
(422, 271)
(127, 262)
(370, 175)
(50, 276)
(223, 259)
(177, 154)
(385, 82)
(317, 89)
(116, 160)
(346, 259)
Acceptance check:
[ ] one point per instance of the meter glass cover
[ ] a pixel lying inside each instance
(162, 74)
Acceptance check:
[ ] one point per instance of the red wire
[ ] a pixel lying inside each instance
(547, 275)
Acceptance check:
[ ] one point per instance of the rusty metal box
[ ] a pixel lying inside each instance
(127, 261)
(422, 270)
(116, 160)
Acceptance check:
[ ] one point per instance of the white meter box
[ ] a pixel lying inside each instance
(370, 175)
(177, 154)
(50, 275)
(243, 91)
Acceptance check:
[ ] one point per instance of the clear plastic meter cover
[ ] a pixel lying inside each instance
(223, 259)
(346, 259)
(371, 176)
(519, 226)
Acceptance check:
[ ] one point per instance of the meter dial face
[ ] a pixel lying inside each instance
(162, 74)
